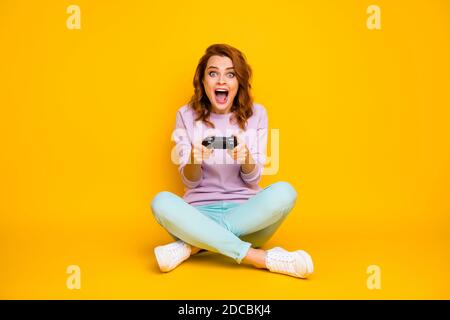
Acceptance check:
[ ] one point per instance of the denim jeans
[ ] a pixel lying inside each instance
(226, 227)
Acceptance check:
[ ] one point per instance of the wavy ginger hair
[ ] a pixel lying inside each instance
(243, 101)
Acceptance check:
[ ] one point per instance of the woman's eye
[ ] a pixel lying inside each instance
(231, 74)
(210, 74)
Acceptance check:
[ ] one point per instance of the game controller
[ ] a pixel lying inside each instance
(220, 142)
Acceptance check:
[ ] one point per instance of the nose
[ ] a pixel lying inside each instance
(222, 79)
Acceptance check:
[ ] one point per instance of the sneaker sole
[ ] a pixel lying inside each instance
(158, 255)
(308, 262)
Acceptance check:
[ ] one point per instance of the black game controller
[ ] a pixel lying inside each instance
(220, 142)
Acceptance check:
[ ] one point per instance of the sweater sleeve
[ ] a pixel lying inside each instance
(183, 150)
(257, 145)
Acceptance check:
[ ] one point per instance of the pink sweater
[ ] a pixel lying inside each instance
(222, 178)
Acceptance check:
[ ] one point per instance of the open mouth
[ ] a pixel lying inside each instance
(221, 96)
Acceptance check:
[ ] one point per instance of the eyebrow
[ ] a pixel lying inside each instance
(218, 68)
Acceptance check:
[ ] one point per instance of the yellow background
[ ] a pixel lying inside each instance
(85, 125)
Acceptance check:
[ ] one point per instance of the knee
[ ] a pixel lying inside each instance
(286, 194)
(160, 203)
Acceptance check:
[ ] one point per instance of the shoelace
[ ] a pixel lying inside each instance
(281, 261)
(176, 251)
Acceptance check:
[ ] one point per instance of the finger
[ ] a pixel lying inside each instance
(199, 141)
(205, 150)
(199, 152)
(239, 138)
(196, 145)
(208, 151)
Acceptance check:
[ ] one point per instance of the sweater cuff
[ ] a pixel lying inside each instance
(190, 184)
(251, 176)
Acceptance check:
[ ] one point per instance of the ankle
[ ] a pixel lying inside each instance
(261, 263)
(256, 258)
(194, 250)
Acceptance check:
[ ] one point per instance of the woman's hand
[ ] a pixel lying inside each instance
(240, 152)
(200, 153)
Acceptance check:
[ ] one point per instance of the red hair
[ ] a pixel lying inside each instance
(243, 101)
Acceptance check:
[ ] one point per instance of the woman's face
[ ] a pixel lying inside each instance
(220, 83)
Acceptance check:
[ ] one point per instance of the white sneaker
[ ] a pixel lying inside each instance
(169, 256)
(296, 263)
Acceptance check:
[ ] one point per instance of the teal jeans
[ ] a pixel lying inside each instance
(226, 227)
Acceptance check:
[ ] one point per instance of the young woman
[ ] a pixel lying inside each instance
(224, 210)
